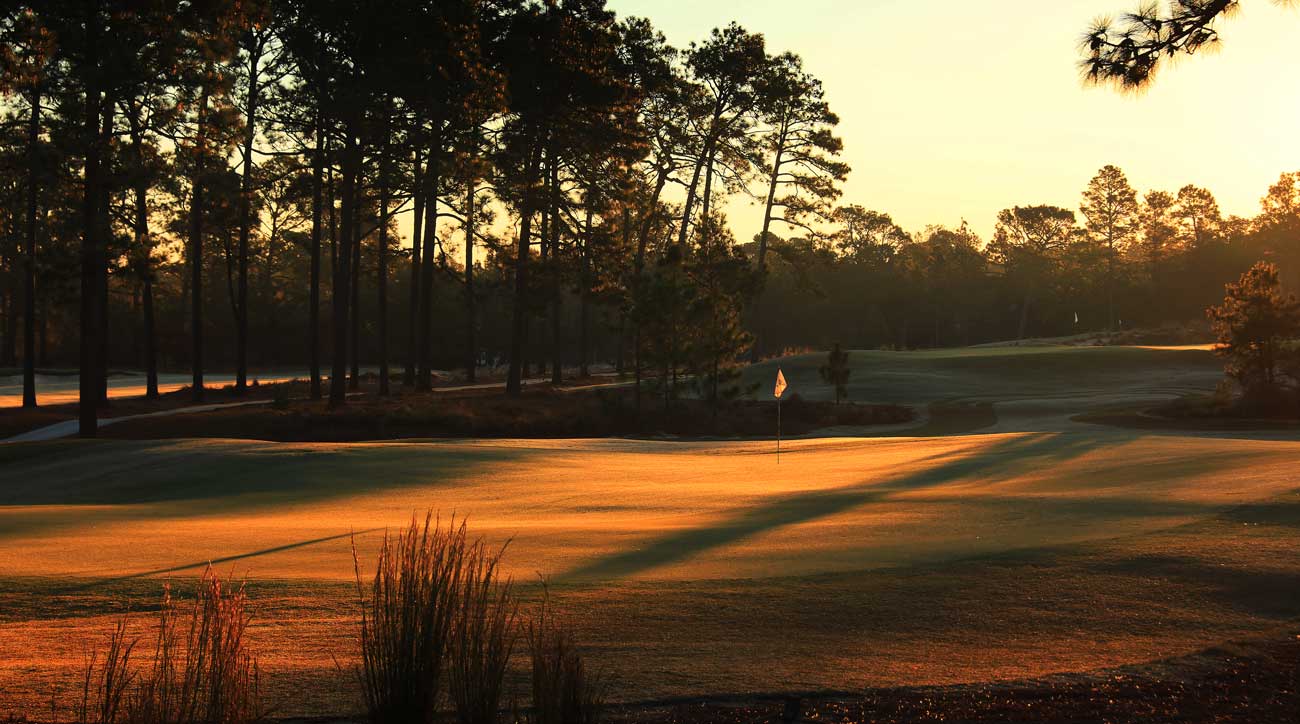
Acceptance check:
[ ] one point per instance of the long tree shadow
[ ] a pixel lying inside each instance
(169, 471)
(100, 582)
(1268, 593)
(126, 481)
(1001, 460)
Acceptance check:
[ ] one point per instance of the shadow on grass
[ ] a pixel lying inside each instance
(1257, 592)
(100, 582)
(132, 473)
(128, 480)
(1002, 460)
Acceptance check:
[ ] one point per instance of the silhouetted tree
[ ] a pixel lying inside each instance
(1251, 325)
(836, 372)
(1198, 216)
(1128, 52)
(728, 69)
(1028, 243)
(26, 53)
(1110, 210)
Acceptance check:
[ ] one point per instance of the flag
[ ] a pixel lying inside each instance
(780, 384)
(1076, 317)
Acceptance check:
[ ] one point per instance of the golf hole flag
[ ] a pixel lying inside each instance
(777, 392)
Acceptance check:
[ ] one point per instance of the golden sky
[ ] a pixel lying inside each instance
(955, 109)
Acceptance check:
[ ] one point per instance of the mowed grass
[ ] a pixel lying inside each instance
(1000, 373)
(697, 567)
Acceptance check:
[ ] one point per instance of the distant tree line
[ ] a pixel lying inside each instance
(1122, 260)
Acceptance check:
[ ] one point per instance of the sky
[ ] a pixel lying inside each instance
(955, 109)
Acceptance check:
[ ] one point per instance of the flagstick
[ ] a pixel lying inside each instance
(778, 431)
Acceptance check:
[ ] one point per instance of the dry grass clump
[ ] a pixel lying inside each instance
(440, 618)
(564, 692)
(104, 685)
(407, 622)
(201, 670)
(485, 635)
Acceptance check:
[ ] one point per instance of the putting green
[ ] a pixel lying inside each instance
(706, 567)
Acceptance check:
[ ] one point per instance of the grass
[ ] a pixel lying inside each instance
(437, 605)
(997, 373)
(105, 683)
(541, 413)
(855, 563)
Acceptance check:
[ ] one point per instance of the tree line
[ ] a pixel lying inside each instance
(1120, 260)
(560, 171)
(274, 183)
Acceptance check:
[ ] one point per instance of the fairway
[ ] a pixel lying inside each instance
(1017, 544)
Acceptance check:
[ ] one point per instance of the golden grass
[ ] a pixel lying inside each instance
(855, 562)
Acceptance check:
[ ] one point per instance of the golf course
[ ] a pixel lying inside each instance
(999, 536)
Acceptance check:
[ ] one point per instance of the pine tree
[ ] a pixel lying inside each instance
(1110, 210)
(1251, 325)
(836, 372)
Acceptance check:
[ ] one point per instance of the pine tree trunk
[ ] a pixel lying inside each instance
(343, 270)
(382, 261)
(557, 301)
(519, 321)
(196, 248)
(29, 267)
(471, 341)
(354, 318)
(313, 312)
(424, 380)
(683, 233)
(105, 234)
(768, 207)
(584, 300)
(245, 219)
(92, 251)
(1024, 318)
(354, 381)
(144, 248)
(413, 319)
